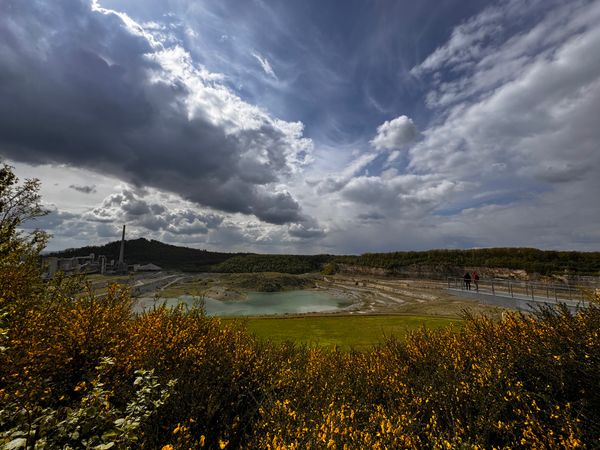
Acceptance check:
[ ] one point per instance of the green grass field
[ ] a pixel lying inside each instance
(345, 332)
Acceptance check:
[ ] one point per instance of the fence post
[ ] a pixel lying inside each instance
(555, 297)
(493, 291)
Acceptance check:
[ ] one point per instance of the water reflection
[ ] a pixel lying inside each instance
(266, 303)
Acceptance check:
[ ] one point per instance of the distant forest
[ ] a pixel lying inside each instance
(532, 260)
(142, 251)
(274, 263)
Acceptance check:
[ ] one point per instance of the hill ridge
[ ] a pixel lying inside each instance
(169, 256)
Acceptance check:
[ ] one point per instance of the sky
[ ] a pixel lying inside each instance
(272, 126)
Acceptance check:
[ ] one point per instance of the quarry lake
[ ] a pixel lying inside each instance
(261, 303)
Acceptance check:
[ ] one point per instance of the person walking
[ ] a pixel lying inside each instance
(467, 279)
(475, 278)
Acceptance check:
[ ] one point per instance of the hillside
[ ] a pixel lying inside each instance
(274, 263)
(544, 262)
(143, 251)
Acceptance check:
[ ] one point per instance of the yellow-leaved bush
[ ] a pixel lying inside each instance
(523, 382)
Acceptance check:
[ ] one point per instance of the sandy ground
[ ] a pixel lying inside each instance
(400, 296)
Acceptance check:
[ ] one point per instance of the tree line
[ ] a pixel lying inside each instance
(532, 260)
(544, 262)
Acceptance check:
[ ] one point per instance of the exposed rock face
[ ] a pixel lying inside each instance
(442, 272)
(362, 270)
(434, 271)
(510, 274)
(582, 280)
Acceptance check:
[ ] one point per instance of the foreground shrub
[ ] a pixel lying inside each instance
(523, 382)
(93, 422)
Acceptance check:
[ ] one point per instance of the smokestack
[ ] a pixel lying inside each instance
(122, 252)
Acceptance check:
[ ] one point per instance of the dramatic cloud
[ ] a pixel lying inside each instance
(130, 208)
(395, 133)
(276, 126)
(100, 92)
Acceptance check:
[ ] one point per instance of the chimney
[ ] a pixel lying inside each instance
(122, 252)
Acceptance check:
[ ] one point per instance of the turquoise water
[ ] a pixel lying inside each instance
(267, 303)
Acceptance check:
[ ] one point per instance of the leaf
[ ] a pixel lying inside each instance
(15, 443)
(109, 435)
(105, 446)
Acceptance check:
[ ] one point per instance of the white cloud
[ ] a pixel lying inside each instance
(487, 53)
(518, 114)
(512, 154)
(397, 195)
(540, 118)
(143, 211)
(464, 45)
(264, 63)
(395, 133)
(333, 183)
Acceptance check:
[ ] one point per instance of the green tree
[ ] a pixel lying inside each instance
(19, 202)
(19, 251)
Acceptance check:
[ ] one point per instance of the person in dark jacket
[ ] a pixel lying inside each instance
(467, 279)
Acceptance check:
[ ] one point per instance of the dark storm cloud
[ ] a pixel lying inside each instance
(86, 87)
(372, 216)
(303, 232)
(83, 189)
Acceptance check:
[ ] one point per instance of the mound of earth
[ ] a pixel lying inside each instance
(267, 282)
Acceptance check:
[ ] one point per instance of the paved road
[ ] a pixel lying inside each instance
(516, 301)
